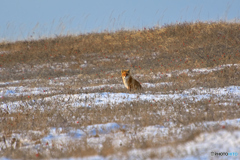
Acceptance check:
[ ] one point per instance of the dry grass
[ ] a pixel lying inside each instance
(96, 59)
(173, 47)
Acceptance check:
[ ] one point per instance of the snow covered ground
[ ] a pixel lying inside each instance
(94, 99)
(198, 148)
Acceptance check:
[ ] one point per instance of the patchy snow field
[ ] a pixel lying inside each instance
(199, 147)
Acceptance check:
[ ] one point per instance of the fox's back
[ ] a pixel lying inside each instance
(134, 84)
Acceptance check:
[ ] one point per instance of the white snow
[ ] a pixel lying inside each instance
(104, 98)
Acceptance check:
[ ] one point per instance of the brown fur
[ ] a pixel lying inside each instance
(129, 82)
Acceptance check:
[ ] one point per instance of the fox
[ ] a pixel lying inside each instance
(129, 82)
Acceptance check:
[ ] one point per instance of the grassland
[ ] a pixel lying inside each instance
(190, 74)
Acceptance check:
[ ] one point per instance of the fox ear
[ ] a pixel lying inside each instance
(121, 70)
(128, 70)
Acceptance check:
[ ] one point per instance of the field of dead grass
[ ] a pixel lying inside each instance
(63, 97)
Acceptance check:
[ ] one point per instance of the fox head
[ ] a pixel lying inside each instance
(125, 73)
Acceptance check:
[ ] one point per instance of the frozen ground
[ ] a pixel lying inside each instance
(95, 99)
(200, 147)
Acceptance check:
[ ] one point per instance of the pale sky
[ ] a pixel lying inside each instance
(21, 19)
